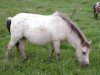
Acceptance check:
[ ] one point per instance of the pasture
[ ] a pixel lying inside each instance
(38, 62)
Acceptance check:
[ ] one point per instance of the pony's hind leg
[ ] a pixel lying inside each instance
(21, 48)
(96, 15)
(56, 44)
(8, 48)
(14, 39)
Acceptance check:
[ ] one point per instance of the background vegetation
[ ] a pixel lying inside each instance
(38, 63)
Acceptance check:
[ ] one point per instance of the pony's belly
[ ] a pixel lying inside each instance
(39, 36)
(40, 40)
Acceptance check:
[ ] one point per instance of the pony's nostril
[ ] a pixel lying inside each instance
(84, 53)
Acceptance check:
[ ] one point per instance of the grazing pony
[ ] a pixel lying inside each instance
(96, 9)
(43, 29)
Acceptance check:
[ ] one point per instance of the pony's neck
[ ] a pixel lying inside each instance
(74, 40)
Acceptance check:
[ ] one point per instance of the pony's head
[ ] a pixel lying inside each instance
(83, 54)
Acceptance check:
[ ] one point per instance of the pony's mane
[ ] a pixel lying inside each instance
(74, 28)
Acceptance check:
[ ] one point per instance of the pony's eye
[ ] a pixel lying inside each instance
(83, 53)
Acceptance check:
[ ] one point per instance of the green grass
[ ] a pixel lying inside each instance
(38, 62)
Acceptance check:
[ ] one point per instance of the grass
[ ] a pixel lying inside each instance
(38, 63)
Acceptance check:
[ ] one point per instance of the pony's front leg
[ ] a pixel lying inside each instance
(56, 44)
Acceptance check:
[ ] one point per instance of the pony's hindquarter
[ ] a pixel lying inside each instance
(15, 39)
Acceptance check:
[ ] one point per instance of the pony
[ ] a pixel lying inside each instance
(96, 9)
(44, 29)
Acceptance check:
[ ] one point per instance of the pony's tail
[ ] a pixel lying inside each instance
(9, 23)
(94, 10)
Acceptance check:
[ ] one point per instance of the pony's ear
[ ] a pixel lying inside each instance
(89, 42)
(84, 44)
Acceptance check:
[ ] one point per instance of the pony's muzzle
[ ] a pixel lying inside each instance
(84, 64)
